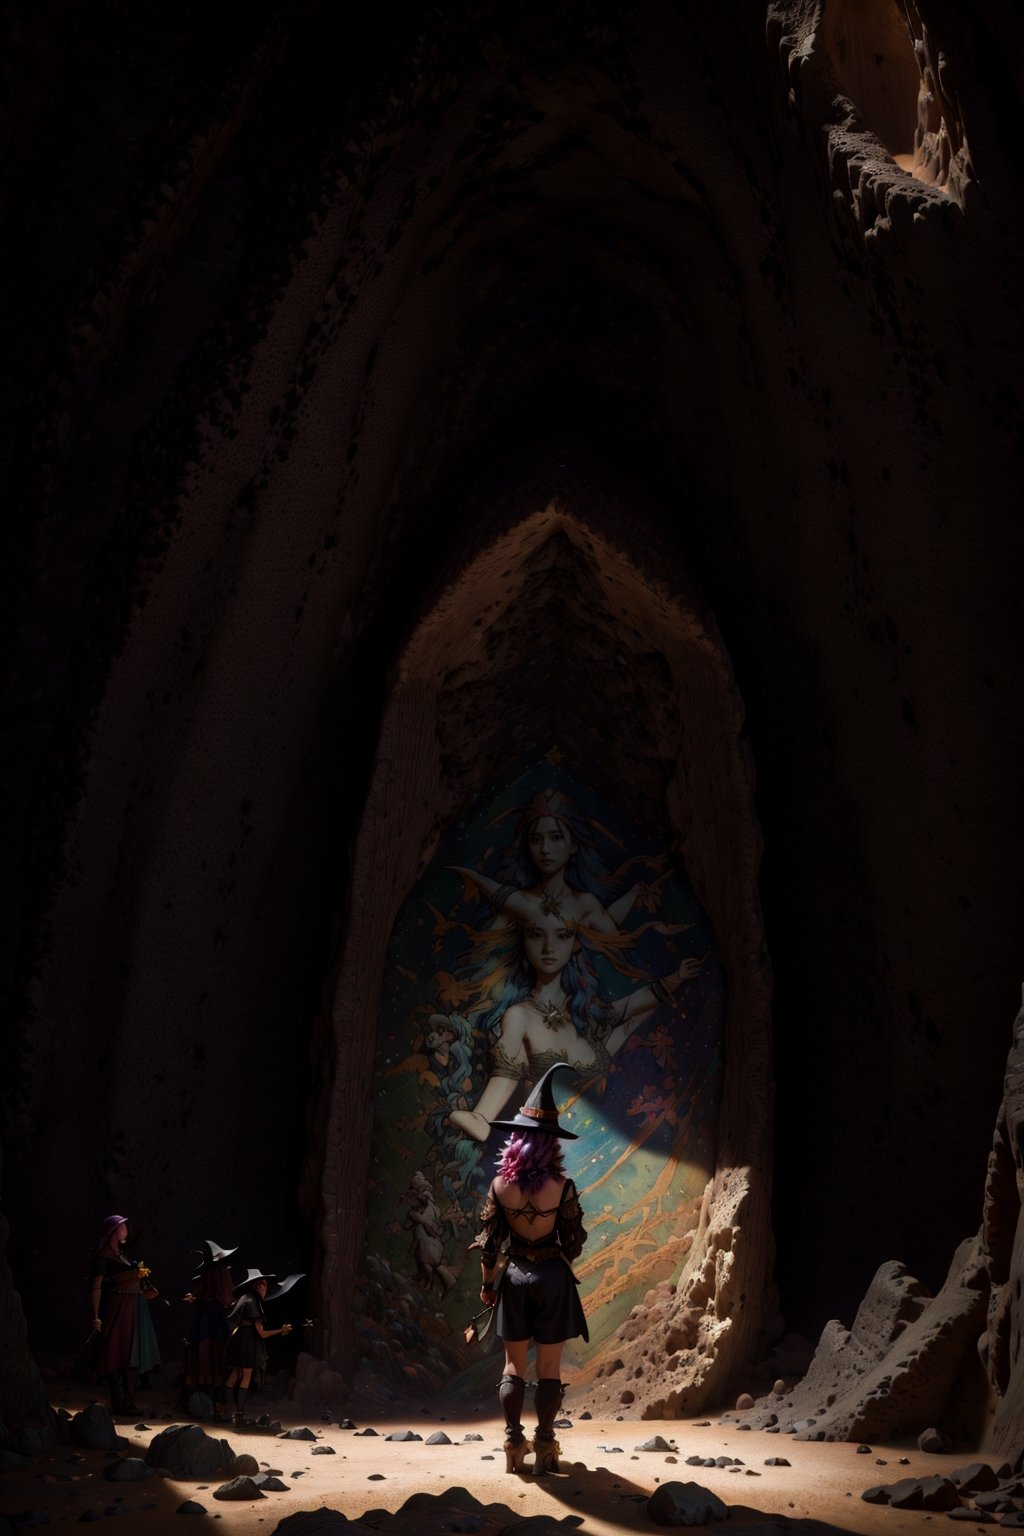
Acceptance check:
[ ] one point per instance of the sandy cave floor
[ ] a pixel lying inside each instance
(606, 1489)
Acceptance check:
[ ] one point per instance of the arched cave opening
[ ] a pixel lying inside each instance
(572, 635)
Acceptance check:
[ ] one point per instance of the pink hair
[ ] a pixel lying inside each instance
(531, 1159)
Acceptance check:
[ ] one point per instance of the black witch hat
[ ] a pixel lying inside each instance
(540, 1112)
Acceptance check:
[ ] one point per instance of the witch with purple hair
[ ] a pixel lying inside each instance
(120, 1292)
(532, 1218)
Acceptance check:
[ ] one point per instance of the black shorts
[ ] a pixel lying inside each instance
(540, 1301)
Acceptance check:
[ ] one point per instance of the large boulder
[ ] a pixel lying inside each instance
(186, 1450)
(94, 1430)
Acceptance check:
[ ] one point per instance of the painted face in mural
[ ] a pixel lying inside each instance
(550, 844)
(548, 944)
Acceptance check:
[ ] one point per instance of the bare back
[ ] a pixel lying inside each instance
(532, 1216)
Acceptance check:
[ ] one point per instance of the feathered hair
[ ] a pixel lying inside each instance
(530, 1159)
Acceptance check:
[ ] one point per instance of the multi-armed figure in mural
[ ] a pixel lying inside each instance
(550, 1010)
(543, 1000)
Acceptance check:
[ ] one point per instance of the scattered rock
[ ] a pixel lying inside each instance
(976, 1478)
(190, 1507)
(654, 1444)
(585, 1414)
(320, 1522)
(238, 1488)
(345, 1424)
(270, 1483)
(930, 1440)
(403, 1434)
(915, 1493)
(186, 1450)
(366, 1431)
(863, 1450)
(779, 1387)
(244, 1465)
(94, 1428)
(437, 1438)
(36, 1439)
(323, 1450)
(300, 1434)
(677, 1504)
(131, 1470)
(777, 1461)
(979, 1516)
(470, 1435)
(743, 1402)
(695, 1461)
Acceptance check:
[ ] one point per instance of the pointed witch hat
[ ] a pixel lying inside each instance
(251, 1277)
(210, 1254)
(284, 1285)
(540, 1112)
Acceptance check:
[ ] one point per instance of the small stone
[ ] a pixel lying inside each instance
(437, 1438)
(238, 1488)
(979, 1516)
(743, 1402)
(366, 1431)
(931, 1441)
(863, 1450)
(695, 1461)
(403, 1434)
(270, 1483)
(376, 1477)
(627, 1397)
(673, 1461)
(323, 1450)
(563, 1424)
(656, 1443)
(300, 1434)
(345, 1424)
(585, 1415)
(880, 1461)
(190, 1507)
(470, 1435)
(777, 1461)
(703, 1424)
(131, 1470)
(779, 1386)
(244, 1465)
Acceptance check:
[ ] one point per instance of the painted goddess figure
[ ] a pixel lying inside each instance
(549, 1009)
(553, 869)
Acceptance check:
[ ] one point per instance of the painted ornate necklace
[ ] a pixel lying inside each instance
(553, 1016)
(551, 904)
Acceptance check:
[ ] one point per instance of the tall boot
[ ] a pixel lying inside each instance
(511, 1393)
(241, 1395)
(547, 1401)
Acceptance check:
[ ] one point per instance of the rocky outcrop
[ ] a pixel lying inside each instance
(1002, 1345)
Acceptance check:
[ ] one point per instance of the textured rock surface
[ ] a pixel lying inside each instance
(1003, 1236)
(188, 1451)
(895, 1369)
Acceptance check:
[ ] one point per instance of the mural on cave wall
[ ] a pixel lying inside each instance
(545, 900)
